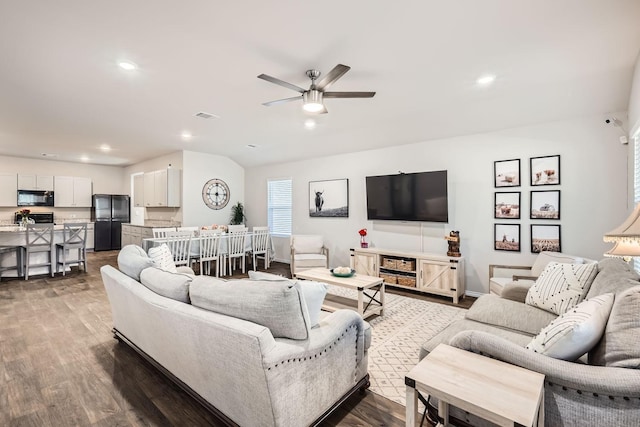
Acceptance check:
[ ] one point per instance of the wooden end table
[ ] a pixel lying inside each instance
(367, 303)
(504, 394)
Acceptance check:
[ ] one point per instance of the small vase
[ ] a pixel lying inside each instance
(363, 242)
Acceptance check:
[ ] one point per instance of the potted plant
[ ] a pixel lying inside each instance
(237, 214)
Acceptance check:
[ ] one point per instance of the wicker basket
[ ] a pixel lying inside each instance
(389, 278)
(389, 263)
(407, 281)
(406, 265)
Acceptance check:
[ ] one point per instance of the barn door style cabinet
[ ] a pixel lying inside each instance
(424, 272)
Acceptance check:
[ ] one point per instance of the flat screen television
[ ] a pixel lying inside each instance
(418, 196)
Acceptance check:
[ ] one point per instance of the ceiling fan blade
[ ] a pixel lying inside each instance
(281, 101)
(348, 94)
(331, 77)
(281, 83)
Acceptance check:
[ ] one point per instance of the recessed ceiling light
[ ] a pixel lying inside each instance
(186, 135)
(127, 65)
(105, 148)
(486, 80)
(310, 124)
(84, 158)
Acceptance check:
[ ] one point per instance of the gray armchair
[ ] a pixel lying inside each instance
(308, 251)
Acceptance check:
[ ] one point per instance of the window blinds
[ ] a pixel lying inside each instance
(279, 206)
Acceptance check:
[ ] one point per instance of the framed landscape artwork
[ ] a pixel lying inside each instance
(506, 173)
(545, 238)
(507, 205)
(545, 170)
(506, 237)
(329, 198)
(545, 204)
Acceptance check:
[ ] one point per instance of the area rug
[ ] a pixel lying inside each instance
(397, 337)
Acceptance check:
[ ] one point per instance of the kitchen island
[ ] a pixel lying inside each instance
(16, 235)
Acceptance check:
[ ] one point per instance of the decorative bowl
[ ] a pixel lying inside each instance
(343, 274)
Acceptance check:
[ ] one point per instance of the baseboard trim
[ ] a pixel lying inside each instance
(474, 294)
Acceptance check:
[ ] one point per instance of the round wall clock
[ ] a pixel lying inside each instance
(215, 193)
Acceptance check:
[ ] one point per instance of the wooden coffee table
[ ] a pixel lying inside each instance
(367, 303)
(504, 394)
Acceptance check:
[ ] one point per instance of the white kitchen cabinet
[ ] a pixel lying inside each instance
(35, 182)
(8, 189)
(72, 192)
(162, 188)
(138, 191)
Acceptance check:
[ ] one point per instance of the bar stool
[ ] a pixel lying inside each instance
(39, 240)
(7, 249)
(74, 237)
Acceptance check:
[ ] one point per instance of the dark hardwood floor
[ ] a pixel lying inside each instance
(61, 366)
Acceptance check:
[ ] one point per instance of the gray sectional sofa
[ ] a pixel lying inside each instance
(590, 391)
(245, 349)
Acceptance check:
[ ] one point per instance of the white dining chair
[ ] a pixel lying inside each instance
(161, 233)
(179, 243)
(260, 246)
(194, 230)
(236, 243)
(210, 251)
(232, 228)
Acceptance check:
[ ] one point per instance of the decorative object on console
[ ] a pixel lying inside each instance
(506, 173)
(545, 170)
(545, 205)
(216, 193)
(626, 237)
(363, 242)
(545, 238)
(237, 214)
(507, 205)
(453, 239)
(329, 198)
(506, 237)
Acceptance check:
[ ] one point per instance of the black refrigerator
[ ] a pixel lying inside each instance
(108, 212)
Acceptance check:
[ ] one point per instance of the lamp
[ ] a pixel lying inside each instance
(312, 101)
(626, 237)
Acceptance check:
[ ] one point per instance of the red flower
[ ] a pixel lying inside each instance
(363, 232)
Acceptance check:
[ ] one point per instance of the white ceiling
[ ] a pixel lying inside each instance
(61, 91)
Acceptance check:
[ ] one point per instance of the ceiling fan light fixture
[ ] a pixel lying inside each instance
(312, 101)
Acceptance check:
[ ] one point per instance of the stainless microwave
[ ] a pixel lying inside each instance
(35, 198)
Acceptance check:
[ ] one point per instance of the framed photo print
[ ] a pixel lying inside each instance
(545, 238)
(506, 173)
(545, 170)
(545, 204)
(506, 237)
(507, 205)
(329, 198)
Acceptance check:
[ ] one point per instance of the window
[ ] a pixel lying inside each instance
(279, 206)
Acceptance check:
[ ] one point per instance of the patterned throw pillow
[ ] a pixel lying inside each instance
(162, 258)
(575, 332)
(561, 286)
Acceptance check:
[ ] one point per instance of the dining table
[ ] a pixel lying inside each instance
(195, 243)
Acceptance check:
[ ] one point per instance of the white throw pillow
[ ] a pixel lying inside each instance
(312, 292)
(575, 332)
(545, 257)
(561, 286)
(162, 258)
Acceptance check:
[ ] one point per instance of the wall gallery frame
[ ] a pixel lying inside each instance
(329, 198)
(506, 237)
(545, 205)
(545, 170)
(545, 238)
(506, 173)
(507, 205)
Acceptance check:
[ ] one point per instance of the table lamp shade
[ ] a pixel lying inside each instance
(626, 237)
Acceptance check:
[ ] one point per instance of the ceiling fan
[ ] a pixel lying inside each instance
(312, 97)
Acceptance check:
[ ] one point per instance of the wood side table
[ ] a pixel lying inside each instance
(504, 394)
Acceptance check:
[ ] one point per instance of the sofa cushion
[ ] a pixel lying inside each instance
(162, 258)
(545, 257)
(307, 244)
(504, 313)
(619, 346)
(132, 259)
(314, 293)
(278, 305)
(576, 331)
(614, 275)
(516, 290)
(166, 283)
(561, 286)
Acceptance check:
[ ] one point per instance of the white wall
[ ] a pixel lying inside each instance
(593, 193)
(200, 168)
(105, 179)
